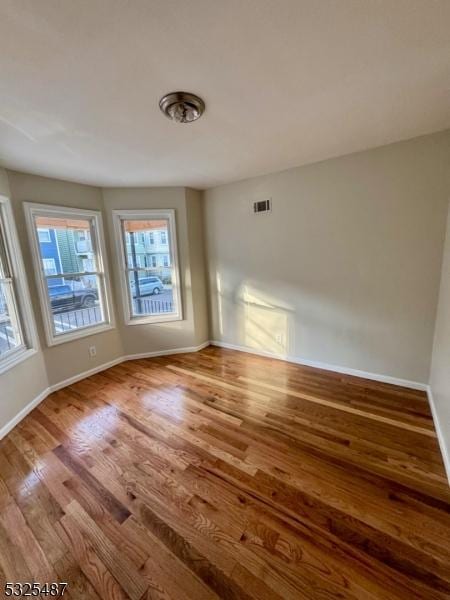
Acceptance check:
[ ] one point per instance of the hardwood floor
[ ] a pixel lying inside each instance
(226, 475)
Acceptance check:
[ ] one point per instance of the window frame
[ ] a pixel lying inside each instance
(22, 298)
(148, 214)
(33, 210)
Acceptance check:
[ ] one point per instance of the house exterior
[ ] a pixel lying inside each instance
(65, 251)
(150, 250)
(51, 259)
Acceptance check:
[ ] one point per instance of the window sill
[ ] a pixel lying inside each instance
(16, 358)
(77, 335)
(153, 320)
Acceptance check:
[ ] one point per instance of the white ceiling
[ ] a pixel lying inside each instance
(286, 82)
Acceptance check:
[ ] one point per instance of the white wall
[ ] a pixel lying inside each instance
(345, 270)
(440, 365)
(21, 384)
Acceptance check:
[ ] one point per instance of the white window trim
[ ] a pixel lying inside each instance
(148, 215)
(31, 210)
(22, 293)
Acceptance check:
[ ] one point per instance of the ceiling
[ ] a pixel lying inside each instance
(286, 82)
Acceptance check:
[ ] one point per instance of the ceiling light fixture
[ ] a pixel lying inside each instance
(182, 107)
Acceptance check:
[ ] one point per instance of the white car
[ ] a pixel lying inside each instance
(147, 285)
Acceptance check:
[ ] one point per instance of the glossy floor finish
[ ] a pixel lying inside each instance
(226, 475)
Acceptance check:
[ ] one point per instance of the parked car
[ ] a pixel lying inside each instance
(63, 297)
(147, 285)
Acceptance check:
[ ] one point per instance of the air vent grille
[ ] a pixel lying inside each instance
(262, 207)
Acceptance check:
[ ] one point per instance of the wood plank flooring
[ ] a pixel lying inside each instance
(226, 475)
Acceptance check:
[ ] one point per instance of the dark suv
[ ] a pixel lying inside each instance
(63, 297)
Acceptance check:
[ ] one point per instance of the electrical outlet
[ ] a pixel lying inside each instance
(92, 351)
(279, 338)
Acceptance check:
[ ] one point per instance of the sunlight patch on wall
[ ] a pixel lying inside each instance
(219, 302)
(266, 323)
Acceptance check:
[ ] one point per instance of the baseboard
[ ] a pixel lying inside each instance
(445, 450)
(66, 382)
(23, 413)
(415, 385)
(167, 352)
(121, 359)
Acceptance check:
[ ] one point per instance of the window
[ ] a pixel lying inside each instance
(49, 265)
(44, 236)
(163, 237)
(17, 333)
(152, 237)
(149, 261)
(151, 294)
(165, 260)
(73, 284)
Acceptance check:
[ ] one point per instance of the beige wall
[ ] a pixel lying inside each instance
(20, 385)
(345, 270)
(177, 334)
(440, 366)
(69, 359)
(195, 224)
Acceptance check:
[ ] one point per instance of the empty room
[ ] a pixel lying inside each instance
(225, 299)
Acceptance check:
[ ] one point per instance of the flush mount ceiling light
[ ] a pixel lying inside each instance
(182, 107)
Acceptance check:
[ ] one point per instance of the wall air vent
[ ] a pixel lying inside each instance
(262, 207)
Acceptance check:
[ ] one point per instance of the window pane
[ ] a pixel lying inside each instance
(75, 302)
(151, 294)
(10, 337)
(146, 246)
(65, 244)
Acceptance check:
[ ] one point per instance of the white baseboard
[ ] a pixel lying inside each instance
(443, 445)
(23, 413)
(66, 382)
(415, 385)
(166, 352)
